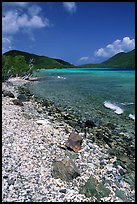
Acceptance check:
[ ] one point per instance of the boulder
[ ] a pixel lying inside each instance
(65, 170)
(8, 93)
(22, 97)
(17, 102)
(94, 188)
(74, 142)
(89, 124)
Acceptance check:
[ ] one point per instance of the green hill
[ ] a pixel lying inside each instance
(40, 62)
(120, 60)
(17, 62)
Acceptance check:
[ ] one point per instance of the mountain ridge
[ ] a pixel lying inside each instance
(120, 60)
(40, 62)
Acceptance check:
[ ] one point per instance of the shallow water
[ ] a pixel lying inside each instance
(84, 91)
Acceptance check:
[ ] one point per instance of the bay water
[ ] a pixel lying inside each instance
(105, 94)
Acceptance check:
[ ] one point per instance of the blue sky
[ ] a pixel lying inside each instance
(78, 32)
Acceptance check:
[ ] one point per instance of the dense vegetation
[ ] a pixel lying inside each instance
(20, 63)
(40, 62)
(12, 66)
(120, 60)
(17, 62)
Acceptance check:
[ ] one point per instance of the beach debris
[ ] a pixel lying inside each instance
(65, 169)
(17, 102)
(74, 142)
(8, 93)
(94, 188)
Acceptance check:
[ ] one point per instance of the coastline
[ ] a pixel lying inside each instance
(29, 149)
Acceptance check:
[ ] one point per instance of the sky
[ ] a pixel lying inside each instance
(77, 32)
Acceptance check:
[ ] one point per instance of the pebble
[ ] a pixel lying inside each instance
(27, 159)
(62, 190)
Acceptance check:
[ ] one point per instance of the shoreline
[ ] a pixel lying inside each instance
(29, 149)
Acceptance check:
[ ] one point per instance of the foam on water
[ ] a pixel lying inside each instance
(132, 116)
(114, 107)
(127, 103)
(59, 77)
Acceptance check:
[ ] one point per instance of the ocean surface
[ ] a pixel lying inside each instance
(106, 94)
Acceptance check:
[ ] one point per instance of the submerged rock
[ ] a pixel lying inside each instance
(89, 124)
(122, 195)
(8, 93)
(22, 97)
(94, 188)
(74, 142)
(17, 102)
(65, 170)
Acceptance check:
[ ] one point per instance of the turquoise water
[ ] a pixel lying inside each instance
(84, 91)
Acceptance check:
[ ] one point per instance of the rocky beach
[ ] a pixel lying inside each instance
(46, 157)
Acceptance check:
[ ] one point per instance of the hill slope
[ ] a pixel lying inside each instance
(120, 60)
(40, 62)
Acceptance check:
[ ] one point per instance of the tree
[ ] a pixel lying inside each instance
(14, 66)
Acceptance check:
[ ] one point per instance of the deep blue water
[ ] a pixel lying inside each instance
(84, 91)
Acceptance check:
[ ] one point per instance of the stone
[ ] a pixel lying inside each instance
(110, 125)
(10, 182)
(94, 188)
(122, 195)
(89, 124)
(8, 93)
(5, 176)
(130, 178)
(62, 190)
(22, 97)
(65, 170)
(17, 102)
(74, 142)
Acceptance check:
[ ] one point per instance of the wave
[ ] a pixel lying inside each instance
(132, 116)
(59, 77)
(114, 107)
(127, 103)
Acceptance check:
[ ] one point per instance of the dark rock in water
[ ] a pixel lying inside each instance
(8, 93)
(17, 102)
(94, 188)
(24, 90)
(74, 142)
(65, 170)
(89, 124)
(130, 178)
(110, 125)
(123, 158)
(122, 195)
(99, 133)
(22, 97)
(107, 140)
(131, 150)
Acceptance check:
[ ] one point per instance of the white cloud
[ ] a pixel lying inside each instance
(34, 10)
(22, 4)
(6, 44)
(124, 45)
(13, 22)
(83, 59)
(70, 6)
(20, 17)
